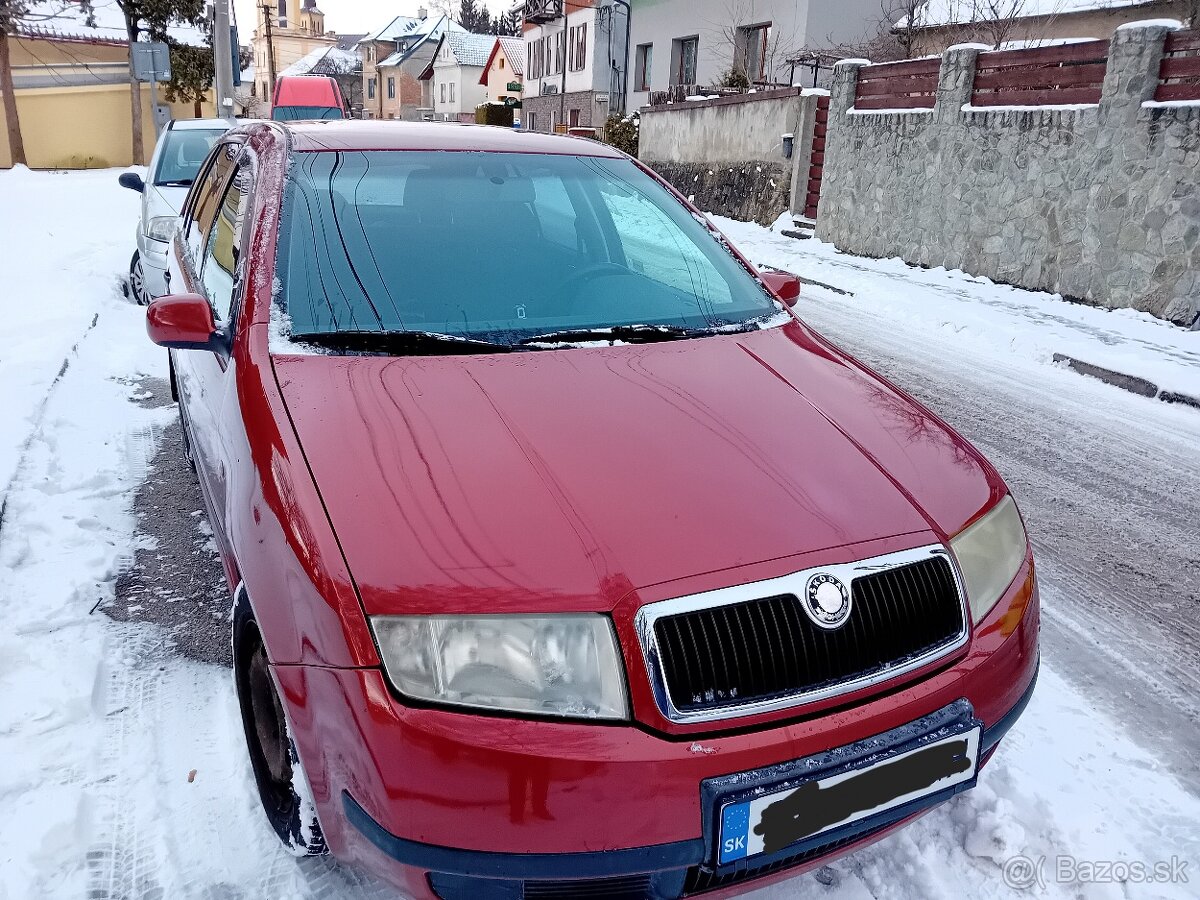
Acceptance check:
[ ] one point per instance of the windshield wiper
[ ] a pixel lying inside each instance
(421, 343)
(631, 334)
(178, 182)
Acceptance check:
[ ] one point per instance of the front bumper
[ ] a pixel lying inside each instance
(429, 797)
(682, 868)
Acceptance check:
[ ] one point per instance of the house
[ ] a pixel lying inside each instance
(287, 31)
(1007, 24)
(574, 62)
(504, 73)
(678, 45)
(454, 75)
(393, 59)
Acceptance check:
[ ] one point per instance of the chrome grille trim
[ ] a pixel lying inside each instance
(794, 584)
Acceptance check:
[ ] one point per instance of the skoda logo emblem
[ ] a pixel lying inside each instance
(826, 601)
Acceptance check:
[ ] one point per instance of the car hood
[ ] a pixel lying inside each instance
(561, 480)
(164, 200)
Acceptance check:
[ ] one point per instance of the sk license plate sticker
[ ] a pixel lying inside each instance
(777, 820)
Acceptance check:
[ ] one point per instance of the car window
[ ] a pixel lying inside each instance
(181, 155)
(501, 247)
(205, 198)
(654, 247)
(219, 273)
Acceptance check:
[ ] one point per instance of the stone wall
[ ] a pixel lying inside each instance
(1098, 203)
(727, 154)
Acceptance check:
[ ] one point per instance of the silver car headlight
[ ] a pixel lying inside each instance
(161, 228)
(989, 554)
(558, 665)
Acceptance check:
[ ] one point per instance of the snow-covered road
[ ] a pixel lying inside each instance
(124, 773)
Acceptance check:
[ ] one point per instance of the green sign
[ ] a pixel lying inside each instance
(512, 102)
(514, 86)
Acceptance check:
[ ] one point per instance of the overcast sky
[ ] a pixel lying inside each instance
(352, 16)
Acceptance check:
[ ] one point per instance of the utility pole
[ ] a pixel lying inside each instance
(222, 60)
(268, 11)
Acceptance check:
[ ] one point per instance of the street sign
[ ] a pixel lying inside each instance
(514, 86)
(151, 61)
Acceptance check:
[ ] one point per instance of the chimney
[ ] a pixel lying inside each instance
(422, 13)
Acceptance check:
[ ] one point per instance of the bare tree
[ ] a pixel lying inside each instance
(997, 21)
(734, 37)
(15, 14)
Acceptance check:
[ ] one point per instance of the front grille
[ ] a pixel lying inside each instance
(768, 648)
(621, 887)
(627, 887)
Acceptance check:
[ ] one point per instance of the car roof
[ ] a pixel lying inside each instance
(306, 90)
(385, 134)
(201, 124)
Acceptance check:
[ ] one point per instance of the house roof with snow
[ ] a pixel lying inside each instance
(514, 52)
(470, 49)
(941, 13)
(408, 26)
(108, 25)
(325, 61)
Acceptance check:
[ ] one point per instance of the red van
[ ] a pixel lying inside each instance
(307, 97)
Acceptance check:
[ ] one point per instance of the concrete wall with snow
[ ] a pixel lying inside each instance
(1096, 202)
(727, 153)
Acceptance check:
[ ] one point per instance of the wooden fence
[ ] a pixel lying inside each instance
(1179, 74)
(900, 85)
(1061, 74)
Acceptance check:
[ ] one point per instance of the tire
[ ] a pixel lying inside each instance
(278, 773)
(137, 281)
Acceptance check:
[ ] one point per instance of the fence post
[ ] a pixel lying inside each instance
(956, 80)
(844, 86)
(802, 146)
(1131, 77)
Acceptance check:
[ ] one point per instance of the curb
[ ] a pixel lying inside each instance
(1131, 383)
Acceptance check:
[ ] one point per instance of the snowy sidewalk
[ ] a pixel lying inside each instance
(978, 311)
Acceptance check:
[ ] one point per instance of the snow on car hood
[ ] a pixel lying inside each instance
(560, 480)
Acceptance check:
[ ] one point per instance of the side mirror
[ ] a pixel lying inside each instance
(132, 180)
(783, 285)
(183, 322)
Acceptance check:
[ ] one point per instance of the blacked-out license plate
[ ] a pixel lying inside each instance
(776, 820)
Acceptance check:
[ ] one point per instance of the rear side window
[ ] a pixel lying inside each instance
(293, 113)
(223, 249)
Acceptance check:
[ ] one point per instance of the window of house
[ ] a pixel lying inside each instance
(643, 62)
(572, 118)
(531, 121)
(442, 92)
(500, 62)
(577, 48)
(391, 88)
(753, 42)
(685, 52)
(371, 88)
(452, 92)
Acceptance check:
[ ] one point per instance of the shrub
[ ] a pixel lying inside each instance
(622, 132)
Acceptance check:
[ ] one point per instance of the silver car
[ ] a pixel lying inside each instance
(181, 148)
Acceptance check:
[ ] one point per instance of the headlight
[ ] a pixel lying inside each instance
(161, 228)
(565, 665)
(990, 554)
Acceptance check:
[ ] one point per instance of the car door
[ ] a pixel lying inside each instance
(213, 235)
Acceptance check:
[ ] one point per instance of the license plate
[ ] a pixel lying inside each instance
(781, 818)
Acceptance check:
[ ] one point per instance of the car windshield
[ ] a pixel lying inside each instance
(292, 113)
(182, 153)
(507, 248)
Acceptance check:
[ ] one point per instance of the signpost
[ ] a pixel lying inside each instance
(152, 63)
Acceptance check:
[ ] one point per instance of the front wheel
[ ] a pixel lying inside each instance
(278, 774)
(137, 281)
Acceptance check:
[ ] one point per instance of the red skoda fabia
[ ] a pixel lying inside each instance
(566, 559)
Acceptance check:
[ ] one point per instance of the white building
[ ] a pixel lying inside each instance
(574, 63)
(696, 42)
(454, 74)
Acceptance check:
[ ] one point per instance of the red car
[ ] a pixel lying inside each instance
(307, 97)
(567, 560)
